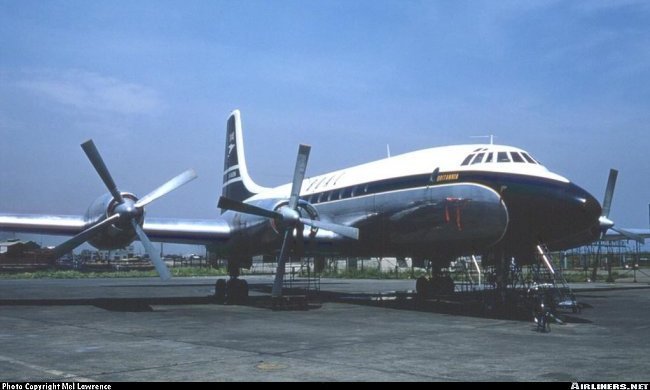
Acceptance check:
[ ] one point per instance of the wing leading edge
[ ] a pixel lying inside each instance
(182, 231)
(57, 225)
(187, 231)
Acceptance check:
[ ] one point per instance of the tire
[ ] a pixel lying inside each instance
(220, 291)
(237, 291)
(243, 290)
(422, 287)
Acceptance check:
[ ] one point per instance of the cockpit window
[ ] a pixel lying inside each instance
(481, 155)
(467, 159)
(503, 157)
(516, 157)
(478, 159)
(528, 158)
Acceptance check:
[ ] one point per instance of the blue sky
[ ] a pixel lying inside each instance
(152, 82)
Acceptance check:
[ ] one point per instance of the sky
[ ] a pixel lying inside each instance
(153, 82)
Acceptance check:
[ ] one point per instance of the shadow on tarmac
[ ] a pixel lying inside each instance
(459, 304)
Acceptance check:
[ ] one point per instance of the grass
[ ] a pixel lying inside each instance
(74, 274)
(370, 273)
(366, 273)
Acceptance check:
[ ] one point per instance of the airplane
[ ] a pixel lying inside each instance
(433, 204)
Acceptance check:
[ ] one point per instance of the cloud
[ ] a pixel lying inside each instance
(91, 91)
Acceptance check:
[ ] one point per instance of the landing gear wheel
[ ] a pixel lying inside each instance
(422, 287)
(447, 285)
(243, 290)
(220, 288)
(236, 291)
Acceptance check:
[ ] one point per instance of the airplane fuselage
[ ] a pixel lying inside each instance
(433, 203)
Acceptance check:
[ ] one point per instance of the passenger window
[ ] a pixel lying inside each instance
(488, 159)
(516, 157)
(528, 158)
(478, 159)
(346, 193)
(467, 159)
(333, 195)
(322, 197)
(503, 157)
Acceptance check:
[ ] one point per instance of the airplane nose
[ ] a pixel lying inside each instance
(591, 208)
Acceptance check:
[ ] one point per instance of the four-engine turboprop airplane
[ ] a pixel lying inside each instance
(434, 204)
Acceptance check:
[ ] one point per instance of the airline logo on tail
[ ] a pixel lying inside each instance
(236, 182)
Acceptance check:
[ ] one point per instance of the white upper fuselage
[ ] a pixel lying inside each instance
(454, 158)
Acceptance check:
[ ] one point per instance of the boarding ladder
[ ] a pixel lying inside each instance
(547, 277)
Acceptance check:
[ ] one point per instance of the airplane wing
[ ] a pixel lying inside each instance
(57, 225)
(187, 231)
(614, 235)
(171, 230)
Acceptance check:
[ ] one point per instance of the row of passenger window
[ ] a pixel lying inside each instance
(370, 188)
(342, 193)
(501, 157)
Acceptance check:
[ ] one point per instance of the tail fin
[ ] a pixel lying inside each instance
(237, 184)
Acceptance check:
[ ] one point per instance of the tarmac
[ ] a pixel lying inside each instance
(358, 330)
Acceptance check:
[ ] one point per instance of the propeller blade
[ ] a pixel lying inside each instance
(168, 187)
(152, 252)
(609, 192)
(276, 292)
(235, 205)
(342, 230)
(299, 175)
(82, 237)
(96, 159)
(629, 235)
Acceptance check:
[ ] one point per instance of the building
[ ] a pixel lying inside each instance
(16, 249)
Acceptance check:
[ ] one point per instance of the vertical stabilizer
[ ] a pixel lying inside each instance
(237, 184)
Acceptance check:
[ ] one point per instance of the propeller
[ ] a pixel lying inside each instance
(606, 223)
(289, 216)
(127, 213)
(235, 205)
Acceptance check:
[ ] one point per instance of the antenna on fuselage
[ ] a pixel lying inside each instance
(388, 150)
(491, 136)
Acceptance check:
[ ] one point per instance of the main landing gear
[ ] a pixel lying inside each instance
(233, 291)
(438, 284)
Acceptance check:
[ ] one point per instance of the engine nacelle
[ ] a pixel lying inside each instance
(117, 235)
(305, 209)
